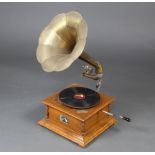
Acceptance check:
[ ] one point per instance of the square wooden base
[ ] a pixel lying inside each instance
(80, 139)
(79, 126)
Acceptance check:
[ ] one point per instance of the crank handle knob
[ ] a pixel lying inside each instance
(125, 118)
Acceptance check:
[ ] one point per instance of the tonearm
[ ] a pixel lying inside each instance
(88, 71)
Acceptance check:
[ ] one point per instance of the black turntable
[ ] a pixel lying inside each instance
(79, 97)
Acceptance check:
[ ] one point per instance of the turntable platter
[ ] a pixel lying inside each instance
(79, 97)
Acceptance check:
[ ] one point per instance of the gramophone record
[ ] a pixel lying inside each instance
(79, 97)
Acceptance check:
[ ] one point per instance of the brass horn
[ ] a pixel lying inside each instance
(62, 42)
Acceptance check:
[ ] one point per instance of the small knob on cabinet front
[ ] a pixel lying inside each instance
(63, 119)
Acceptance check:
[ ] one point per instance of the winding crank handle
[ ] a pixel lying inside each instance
(122, 117)
(125, 118)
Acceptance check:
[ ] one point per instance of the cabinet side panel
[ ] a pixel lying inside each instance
(64, 120)
(90, 122)
(102, 115)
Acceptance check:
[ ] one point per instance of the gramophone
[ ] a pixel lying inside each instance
(77, 113)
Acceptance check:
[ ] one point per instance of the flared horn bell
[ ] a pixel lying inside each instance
(62, 41)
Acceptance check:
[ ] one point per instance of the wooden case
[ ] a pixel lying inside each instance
(80, 126)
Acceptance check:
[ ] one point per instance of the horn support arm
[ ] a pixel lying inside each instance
(96, 64)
